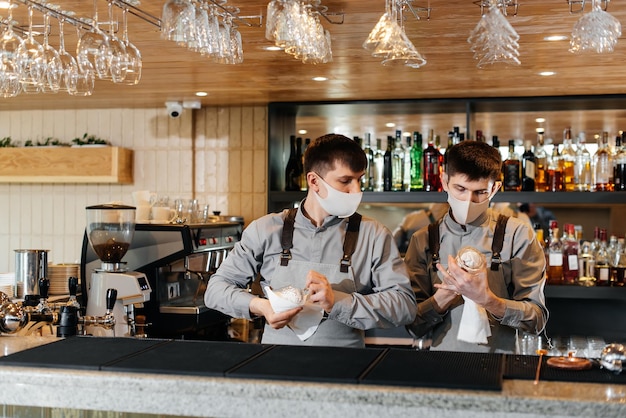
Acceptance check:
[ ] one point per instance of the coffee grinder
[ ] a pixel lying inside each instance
(110, 229)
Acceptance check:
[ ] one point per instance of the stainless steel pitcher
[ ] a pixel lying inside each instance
(30, 266)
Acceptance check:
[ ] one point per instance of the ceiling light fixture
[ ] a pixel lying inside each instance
(202, 93)
(6, 4)
(556, 38)
(302, 132)
(547, 73)
(272, 48)
(390, 125)
(319, 78)
(540, 120)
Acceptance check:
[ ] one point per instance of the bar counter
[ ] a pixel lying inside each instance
(198, 396)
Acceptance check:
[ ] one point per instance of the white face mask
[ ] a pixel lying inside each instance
(338, 203)
(466, 211)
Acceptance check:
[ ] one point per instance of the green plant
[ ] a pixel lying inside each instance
(89, 140)
(6, 142)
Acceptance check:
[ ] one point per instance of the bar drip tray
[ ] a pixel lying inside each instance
(185, 306)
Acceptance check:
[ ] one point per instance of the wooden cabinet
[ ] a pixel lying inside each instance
(87, 164)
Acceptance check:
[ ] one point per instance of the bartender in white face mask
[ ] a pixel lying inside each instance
(345, 270)
(482, 309)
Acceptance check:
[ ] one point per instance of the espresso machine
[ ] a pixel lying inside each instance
(109, 231)
(178, 260)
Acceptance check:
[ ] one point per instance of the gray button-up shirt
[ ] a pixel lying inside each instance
(520, 280)
(383, 296)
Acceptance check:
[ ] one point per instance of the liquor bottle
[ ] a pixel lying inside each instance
(445, 153)
(619, 170)
(379, 166)
(568, 159)
(586, 262)
(301, 177)
(541, 173)
(555, 171)
(529, 168)
(595, 244)
(397, 164)
(432, 167)
(417, 179)
(602, 266)
(479, 136)
(388, 166)
(407, 165)
(612, 249)
(303, 183)
(292, 170)
(603, 166)
(619, 269)
(555, 256)
(511, 170)
(582, 166)
(570, 255)
(367, 181)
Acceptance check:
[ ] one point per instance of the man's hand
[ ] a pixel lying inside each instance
(277, 320)
(320, 291)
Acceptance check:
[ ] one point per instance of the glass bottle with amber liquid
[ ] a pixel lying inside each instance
(570, 255)
(555, 171)
(511, 169)
(555, 255)
(529, 168)
(541, 172)
(568, 159)
(603, 166)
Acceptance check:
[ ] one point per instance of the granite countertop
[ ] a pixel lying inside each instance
(225, 397)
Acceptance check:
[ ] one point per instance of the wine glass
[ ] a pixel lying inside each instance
(595, 31)
(68, 63)
(178, 21)
(93, 48)
(116, 54)
(9, 71)
(54, 67)
(133, 56)
(30, 60)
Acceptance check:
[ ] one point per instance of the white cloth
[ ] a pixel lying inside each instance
(305, 323)
(474, 325)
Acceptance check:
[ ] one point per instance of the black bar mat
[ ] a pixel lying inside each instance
(525, 367)
(200, 358)
(440, 369)
(79, 352)
(317, 364)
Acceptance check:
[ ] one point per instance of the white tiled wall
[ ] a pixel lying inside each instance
(217, 155)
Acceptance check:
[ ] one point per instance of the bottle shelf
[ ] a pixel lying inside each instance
(436, 197)
(581, 292)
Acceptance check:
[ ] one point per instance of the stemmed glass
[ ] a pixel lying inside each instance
(30, 60)
(68, 63)
(494, 40)
(595, 31)
(178, 21)
(54, 66)
(116, 54)
(133, 56)
(10, 85)
(92, 50)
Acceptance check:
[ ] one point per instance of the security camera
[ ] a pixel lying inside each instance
(174, 109)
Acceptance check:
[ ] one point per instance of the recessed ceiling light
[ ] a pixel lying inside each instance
(319, 78)
(5, 5)
(547, 73)
(556, 38)
(540, 120)
(202, 93)
(272, 48)
(539, 130)
(390, 125)
(302, 132)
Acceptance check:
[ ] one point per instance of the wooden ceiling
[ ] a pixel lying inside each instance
(171, 72)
